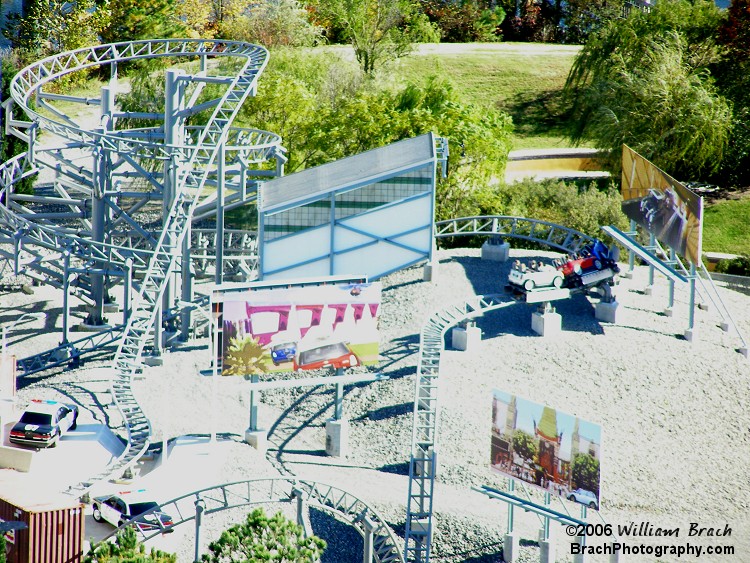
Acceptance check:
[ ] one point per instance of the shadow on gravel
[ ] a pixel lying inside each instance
(395, 468)
(390, 411)
(345, 545)
(399, 349)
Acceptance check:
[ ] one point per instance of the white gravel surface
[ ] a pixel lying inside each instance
(674, 413)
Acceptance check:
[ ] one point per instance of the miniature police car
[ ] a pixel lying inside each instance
(43, 423)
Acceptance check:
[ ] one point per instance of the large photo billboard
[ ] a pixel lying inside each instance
(548, 449)
(310, 327)
(662, 205)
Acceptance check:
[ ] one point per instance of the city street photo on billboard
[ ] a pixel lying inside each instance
(548, 449)
(662, 205)
(286, 329)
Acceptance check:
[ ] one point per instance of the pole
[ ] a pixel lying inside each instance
(200, 507)
(253, 406)
(338, 407)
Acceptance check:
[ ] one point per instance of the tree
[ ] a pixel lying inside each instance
(379, 30)
(52, 26)
(524, 445)
(645, 81)
(585, 17)
(260, 538)
(245, 356)
(134, 19)
(467, 21)
(273, 23)
(126, 549)
(586, 472)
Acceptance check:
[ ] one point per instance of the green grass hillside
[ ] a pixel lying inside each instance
(523, 79)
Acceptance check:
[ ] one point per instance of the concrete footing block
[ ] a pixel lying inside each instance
(724, 326)
(606, 312)
(337, 438)
(496, 252)
(648, 290)
(546, 324)
(466, 338)
(511, 547)
(668, 311)
(429, 272)
(690, 335)
(546, 551)
(257, 439)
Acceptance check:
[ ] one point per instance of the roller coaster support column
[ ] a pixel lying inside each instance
(652, 248)
(99, 210)
(219, 275)
(200, 507)
(670, 307)
(546, 545)
(690, 332)
(511, 541)
(255, 436)
(174, 138)
(337, 428)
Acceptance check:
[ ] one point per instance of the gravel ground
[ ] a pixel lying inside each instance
(674, 414)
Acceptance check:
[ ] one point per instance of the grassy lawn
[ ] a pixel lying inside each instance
(725, 227)
(521, 79)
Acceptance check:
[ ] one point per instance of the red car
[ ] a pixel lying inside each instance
(332, 354)
(594, 265)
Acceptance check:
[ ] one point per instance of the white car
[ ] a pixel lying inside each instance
(532, 277)
(584, 497)
(119, 508)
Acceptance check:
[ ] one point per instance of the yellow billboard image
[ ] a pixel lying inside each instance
(662, 205)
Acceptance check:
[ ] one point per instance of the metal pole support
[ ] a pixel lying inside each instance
(200, 507)
(368, 551)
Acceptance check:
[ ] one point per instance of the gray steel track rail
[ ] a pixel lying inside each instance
(424, 448)
(365, 519)
(534, 230)
(196, 162)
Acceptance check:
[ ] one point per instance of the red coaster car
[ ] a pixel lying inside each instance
(594, 264)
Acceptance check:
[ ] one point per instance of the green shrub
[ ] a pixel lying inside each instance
(739, 266)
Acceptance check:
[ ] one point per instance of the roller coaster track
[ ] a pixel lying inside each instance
(424, 448)
(366, 520)
(534, 230)
(195, 158)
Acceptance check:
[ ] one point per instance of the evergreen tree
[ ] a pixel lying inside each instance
(260, 538)
(135, 19)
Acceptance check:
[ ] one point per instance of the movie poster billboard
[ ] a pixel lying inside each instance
(546, 448)
(284, 329)
(662, 205)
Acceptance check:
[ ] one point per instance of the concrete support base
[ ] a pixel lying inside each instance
(466, 338)
(337, 438)
(743, 351)
(546, 551)
(496, 252)
(627, 275)
(648, 290)
(511, 547)
(579, 557)
(257, 439)
(606, 312)
(690, 335)
(430, 271)
(668, 312)
(614, 557)
(153, 360)
(546, 324)
(704, 306)
(111, 308)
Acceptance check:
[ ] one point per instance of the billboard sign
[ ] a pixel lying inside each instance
(662, 205)
(295, 328)
(548, 449)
